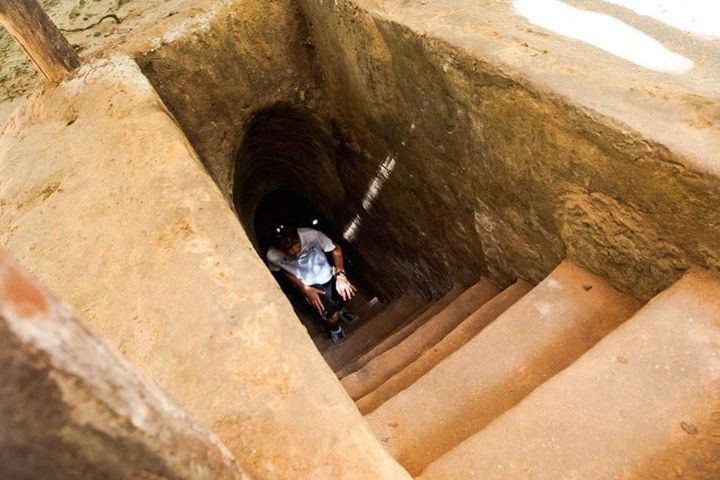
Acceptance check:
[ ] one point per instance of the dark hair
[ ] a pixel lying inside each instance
(285, 236)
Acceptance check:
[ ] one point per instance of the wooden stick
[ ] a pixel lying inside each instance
(39, 37)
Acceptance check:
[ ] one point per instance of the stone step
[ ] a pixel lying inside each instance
(422, 308)
(543, 333)
(463, 333)
(371, 331)
(364, 308)
(643, 404)
(401, 333)
(389, 363)
(398, 326)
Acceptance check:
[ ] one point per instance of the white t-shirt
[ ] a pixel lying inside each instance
(311, 266)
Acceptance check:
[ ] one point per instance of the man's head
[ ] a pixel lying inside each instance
(287, 240)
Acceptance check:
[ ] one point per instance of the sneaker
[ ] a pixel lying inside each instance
(348, 317)
(337, 335)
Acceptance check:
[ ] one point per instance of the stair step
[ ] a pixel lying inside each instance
(365, 310)
(389, 363)
(401, 333)
(463, 333)
(371, 330)
(643, 404)
(544, 332)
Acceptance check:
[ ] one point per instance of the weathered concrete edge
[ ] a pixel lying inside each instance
(75, 405)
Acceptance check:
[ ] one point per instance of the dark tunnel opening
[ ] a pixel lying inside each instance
(285, 206)
(287, 148)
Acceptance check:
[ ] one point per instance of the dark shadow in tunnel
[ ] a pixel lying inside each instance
(286, 147)
(287, 207)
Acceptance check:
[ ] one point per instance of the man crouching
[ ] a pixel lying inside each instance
(300, 254)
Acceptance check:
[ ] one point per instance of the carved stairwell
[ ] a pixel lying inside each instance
(570, 377)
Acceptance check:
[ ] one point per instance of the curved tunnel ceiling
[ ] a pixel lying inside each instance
(286, 147)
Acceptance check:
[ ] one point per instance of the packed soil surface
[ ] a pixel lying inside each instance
(89, 25)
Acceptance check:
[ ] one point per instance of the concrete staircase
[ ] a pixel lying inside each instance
(567, 379)
(485, 314)
(396, 315)
(425, 336)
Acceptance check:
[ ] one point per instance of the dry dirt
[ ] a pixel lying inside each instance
(89, 25)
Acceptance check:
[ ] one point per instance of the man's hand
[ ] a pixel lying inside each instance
(313, 294)
(346, 289)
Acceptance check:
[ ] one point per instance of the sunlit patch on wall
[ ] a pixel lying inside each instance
(381, 176)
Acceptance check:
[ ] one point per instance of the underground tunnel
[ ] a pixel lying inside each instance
(286, 165)
(514, 197)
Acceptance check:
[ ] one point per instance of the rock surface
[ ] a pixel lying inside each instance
(72, 408)
(642, 404)
(540, 335)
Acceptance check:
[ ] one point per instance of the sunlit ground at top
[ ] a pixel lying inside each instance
(701, 17)
(616, 37)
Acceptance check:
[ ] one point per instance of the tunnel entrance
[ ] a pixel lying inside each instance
(285, 174)
(288, 207)
(287, 148)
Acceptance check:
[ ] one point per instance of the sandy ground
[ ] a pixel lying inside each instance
(89, 26)
(83, 24)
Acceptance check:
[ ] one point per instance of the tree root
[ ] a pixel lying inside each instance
(87, 27)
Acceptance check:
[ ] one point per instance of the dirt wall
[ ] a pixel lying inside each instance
(246, 61)
(496, 174)
(220, 68)
(492, 173)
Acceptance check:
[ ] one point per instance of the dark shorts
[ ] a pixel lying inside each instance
(331, 300)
